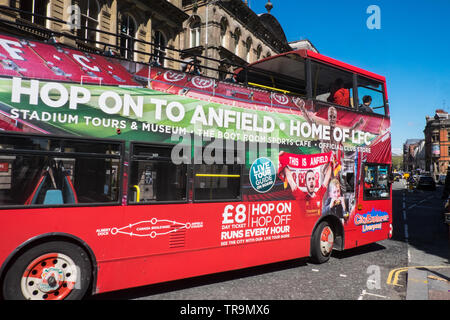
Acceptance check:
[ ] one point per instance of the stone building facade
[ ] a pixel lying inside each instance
(230, 33)
(227, 31)
(122, 24)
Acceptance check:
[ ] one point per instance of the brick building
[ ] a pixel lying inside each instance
(437, 142)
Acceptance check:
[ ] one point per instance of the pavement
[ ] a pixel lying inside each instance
(431, 281)
(428, 273)
(428, 284)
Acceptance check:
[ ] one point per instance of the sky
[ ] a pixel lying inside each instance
(411, 49)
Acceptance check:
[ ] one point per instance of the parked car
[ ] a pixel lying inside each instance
(426, 183)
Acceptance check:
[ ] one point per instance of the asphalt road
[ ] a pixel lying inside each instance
(371, 272)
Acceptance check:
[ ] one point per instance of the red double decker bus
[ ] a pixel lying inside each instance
(111, 179)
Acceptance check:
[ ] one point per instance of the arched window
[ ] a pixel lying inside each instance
(248, 49)
(223, 32)
(258, 52)
(159, 51)
(89, 19)
(127, 35)
(35, 7)
(195, 32)
(237, 38)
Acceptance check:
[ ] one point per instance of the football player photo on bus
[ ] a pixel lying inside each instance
(308, 177)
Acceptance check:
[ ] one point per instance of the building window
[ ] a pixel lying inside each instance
(237, 38)
(89, 19)
(248, 49)
(195, 32)
(258, 52)
(223, 32)
(127, 34)
(435, 137)
(35, 7)
(160, 48)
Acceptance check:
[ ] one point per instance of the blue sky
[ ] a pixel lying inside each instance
(412, 49)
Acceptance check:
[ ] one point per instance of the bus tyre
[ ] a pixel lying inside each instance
(49, 271)
(322, 243)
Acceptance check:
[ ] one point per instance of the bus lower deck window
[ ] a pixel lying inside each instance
(217, 182)
(43, 174)
(154, 177)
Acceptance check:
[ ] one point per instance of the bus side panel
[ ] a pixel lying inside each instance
(78, 222)
(144, 244)
(371, 223)
(168, 242)
(357, 237)
(147, 270)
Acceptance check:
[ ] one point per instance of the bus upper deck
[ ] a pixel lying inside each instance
(299, 73)
(281, 82)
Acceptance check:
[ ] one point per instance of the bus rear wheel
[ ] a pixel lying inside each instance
(49, 271)
(322, 243)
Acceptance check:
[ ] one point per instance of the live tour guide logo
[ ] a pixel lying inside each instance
(262, 175)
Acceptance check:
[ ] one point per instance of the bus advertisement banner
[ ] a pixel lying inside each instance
(302, 145)
(100, 111)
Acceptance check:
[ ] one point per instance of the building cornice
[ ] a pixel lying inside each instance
(247, 18)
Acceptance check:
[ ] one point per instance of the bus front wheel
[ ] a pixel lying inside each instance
(49, 271)
(322, 243)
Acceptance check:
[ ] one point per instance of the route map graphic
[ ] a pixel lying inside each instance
(150, 228)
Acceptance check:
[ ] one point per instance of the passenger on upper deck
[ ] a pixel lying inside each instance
(339, 94)
(367, 100)
(231, 78)
(191, 66)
